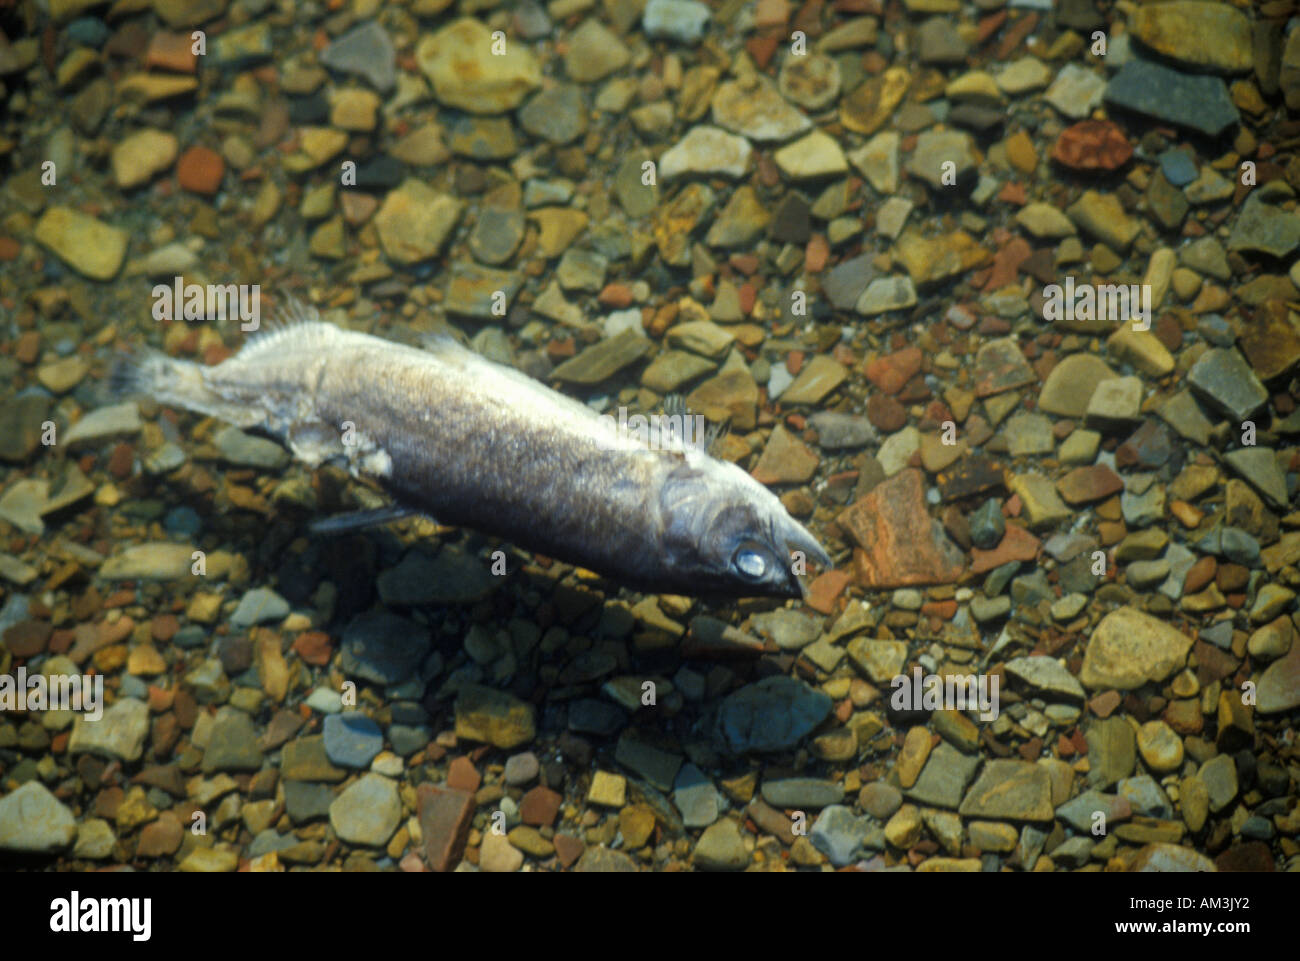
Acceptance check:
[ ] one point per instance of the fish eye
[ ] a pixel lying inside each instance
(750, 563)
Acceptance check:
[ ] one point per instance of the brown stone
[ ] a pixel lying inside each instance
(1199, 575)
(445, 817)
(463, 776)
(891, 372)
(161, 838)
(540, 806)
(1083, 485)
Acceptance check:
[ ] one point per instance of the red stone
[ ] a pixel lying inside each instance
(616, 295)
(1092, 145)
(901, 544)
(1104, 704)
(540, 806)
(463, 776)
(445, 817)
(28, 347)
(892, 372)
(200, 169)
(314, 647)
(825, 590)
(1006, 263)
(817, 252)
(1017, 545)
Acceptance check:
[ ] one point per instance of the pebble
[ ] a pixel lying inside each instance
(87, 244)
(352, 740)
(1129, 648)
(32, 820)
(367, 812)
(753, 107)
(771, 715)
(119, 733)
(706, 150)
(681, 20)
(813, 156)
(1199, 103)
(365, 51)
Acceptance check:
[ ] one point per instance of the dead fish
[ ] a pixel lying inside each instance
(475, 444)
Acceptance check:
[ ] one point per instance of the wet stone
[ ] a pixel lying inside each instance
(773, 715)
(496, 235)
(754, 108)
(944, 778)
(382, 647)
(367, 812)
(1226, 381)
(839, 834)
(32, 820)
(557, 114)
(1076, 91)
(1200, 103)
(365, 51)
(352, 740)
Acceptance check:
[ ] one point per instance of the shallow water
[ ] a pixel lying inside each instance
(998, 299)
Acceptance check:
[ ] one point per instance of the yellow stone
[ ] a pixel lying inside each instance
(145, 661)
(1021, 153)
(866, 109)
(607, 790)
(89, 246)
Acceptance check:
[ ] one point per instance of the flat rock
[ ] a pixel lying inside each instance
(706, 150)
(415, 221)
(150, 562)
(1211, 36)
(1014, 790)
(901, 545)
(774, 714)
(34, 821)
(1129, 648)
(754, 109)
(119, 733)
(485, 714)
(367, 812)
(466, 74)
(365, 51)
(1200, 103)
(88, 245)
(383, 648)
(1225, 380)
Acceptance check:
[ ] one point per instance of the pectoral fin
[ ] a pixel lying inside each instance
(360, 520)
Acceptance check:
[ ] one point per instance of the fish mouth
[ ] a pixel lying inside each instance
(798, 540)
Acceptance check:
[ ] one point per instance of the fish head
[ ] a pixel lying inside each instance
(725, 533)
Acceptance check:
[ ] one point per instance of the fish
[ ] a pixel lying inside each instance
(476, 444)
